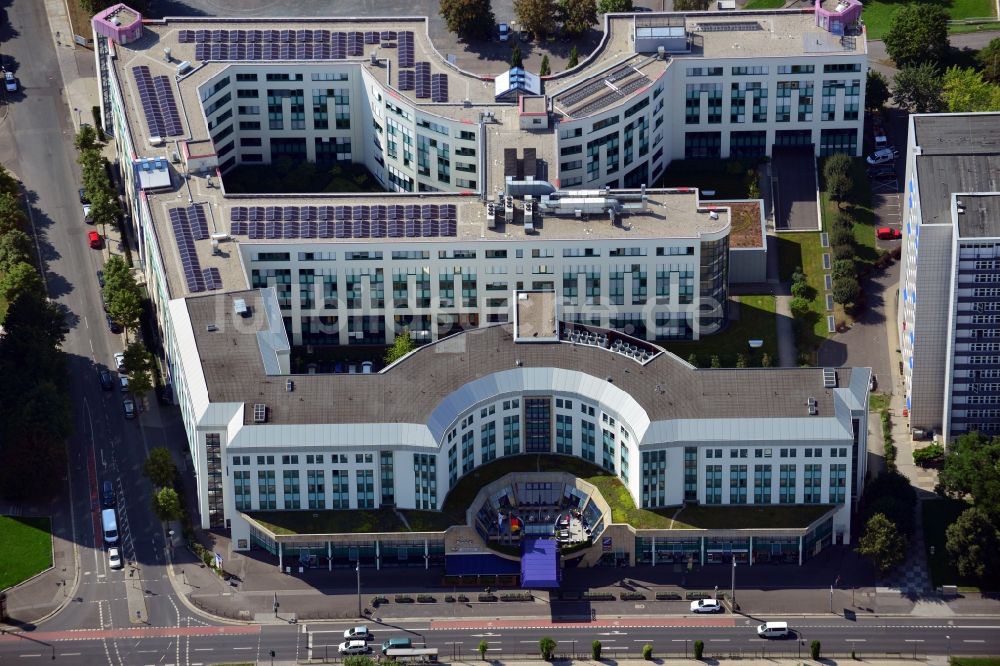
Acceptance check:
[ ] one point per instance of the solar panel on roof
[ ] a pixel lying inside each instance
(371, 37)
(254, 35)
(168, 106)
(448, 211)
(339, 212)
(238, 36)
(411, 228)
(285, 36)
(406, 79)
(255, 230)
(272, 213)
(325, 212)
(358, 229)
(290, 213)
(428, 228)
(291, 230)
(356, 44)
(185, 36)
(255, 213)
(270, 36)
(186, 251)
(450, 228)
(340, 229)
(215, 52)
(338, 45)
(388, 35)
(237, 229)
(201, 52)
(273, 229)
(308, 230)
(394, 228)
(303, 51)
(270, 51)
(254, 51)
(303, 36)
(202, 36)
(286, 51)
(307, 212)
(378, 229)
(321, 51)
(439, 87)
(148, 98)
(321, 35)
(406, 49)
(360, 212)
(220, 36)
(212, 278)
(378, 212)
(326, 229)
(197, 222)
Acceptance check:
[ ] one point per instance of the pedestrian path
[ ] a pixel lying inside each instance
(912, 577)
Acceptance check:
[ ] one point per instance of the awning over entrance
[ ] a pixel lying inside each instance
(483, 564)
(540, 563)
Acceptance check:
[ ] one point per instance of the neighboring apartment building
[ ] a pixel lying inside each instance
(405, 436)
(949, 290)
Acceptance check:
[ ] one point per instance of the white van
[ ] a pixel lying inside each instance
(110, 524)
(773, 630)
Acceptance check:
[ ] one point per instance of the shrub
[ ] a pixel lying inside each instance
(463, 599)
(488, 597)
(403, 599)
(814, 650)
(647, 652)
(889, 445)
(546, 646)
(799, 306)
(802, 290)
(516, 596)
(846, 290)
(699, 649)
(843, 251)
(928, 455)
(378, 601)
(841, 235)
(598, 596)
(449, 599)
(595, 650)
(694, 596)
(798, 275)
(632, 596)
(668, 596)
(426, 599)
(843, 268)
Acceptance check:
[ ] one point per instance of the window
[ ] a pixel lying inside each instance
(588, 440)
(488, 441)
(468, 451)
(838, 483)
(738, 484)
(511, 435)
(241, 484)
(812, 480)
(365, 481)
(564, 434)
(761, 484)
(293, 498)
(608, 458)
(786, 484)
(316, 488)
(341, 494)
(266, 491)
(654, 485)
(713, 484)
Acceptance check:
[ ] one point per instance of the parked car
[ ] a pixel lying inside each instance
(120, 361)
(87, 217)
(882, 171)
(503, 30)
(112, 325)
(107, 382)
(883, 156)
(706, 606)
(100, 279)
(10, 81)
(873, 383)
(129, 406)
(94, 240)
(358, 633)
(114, 558)
(353, 647)
(888, 233)
(83, 196)
(108, 495)
(123, 383)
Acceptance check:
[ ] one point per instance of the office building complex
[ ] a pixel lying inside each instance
(949, 298)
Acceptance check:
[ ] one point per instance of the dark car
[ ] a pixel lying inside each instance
(107, 381)
(83, 196)
(113, 325)
(100, 278)
(882, 171)
(108, 495)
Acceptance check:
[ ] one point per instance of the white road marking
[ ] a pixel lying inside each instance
(914, 640)
(718, 640)
(242, 648)
(69, 654)
(30, 655)
(970, 640)
(203, 649)
(855, 640)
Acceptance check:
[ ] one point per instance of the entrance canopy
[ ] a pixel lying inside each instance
(479, 565)
(540, 563)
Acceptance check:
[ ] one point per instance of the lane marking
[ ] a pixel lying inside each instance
(913, 640)
(856, 640)
(970, 640)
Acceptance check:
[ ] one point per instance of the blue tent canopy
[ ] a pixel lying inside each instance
(540, 563)
(479, 565)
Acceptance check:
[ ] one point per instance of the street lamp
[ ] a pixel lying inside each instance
(949, 644)
(78, 122)
(357, 570)
(732, 590)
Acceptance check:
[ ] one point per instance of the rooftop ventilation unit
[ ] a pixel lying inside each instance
(240, 307)
(211, 328)
(260, 413)
(289, 385)
(829, 378)
(713, 215)
(811, 407)
(183, 68)
(491, 215)
(166, 55)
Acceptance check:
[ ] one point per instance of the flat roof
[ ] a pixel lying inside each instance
(411, 389)
(535, 316)
(981, 218)
(958, 154)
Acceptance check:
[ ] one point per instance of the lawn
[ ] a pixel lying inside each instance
(878, 401)
(938, 514)
(346, 521)
(802, 250)
(755, 322)
(764, 4)
(974, 661)
(878, 14)
(709, 174)
(286, 176)
(750, 517)
(27, 549)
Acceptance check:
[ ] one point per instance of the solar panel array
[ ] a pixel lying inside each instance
(733, 26)
(190, 224)
(222, 45)
(422, 79)
(377, 221)
(406, 80)
(158, 103)
(439, 87)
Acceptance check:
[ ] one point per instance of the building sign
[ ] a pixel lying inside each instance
(606, 544)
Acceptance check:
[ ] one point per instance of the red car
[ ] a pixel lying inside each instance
(94, 239)
(888, 233)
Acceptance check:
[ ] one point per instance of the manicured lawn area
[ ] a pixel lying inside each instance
(26, 551)
(304, 177)
(711, 175)
(878, 401)
(974, 661)
(354, 521)
(938, 514)
(802, 250)
(974, 27)
(878, 14)
(756, 322)
(750, 517)
(764, 4)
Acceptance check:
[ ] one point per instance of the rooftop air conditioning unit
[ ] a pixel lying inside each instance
(166, 54)
(240, 307)
(289, 385)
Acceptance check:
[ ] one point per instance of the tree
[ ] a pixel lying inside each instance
(714, 361)
(699, 649)
(691, 5)
(117, 275)
(401, 346)
(159, 467)
(544, 70)
(837, 174)
(799, 307)
(974, 545)
(468, 18)
(753, 187)
(595, 650)
(614, 6)
(515, 57)
(883, 543)
(547, 647)
(8, 184)
(843, 268)
(574, 58)
(972, 467)
(917, 88)
(841, 236)
(741, 360)
(647, 652)
(166, 504)
(693, 359)
(358, 660)
(86, 139)
(765, 360)
(537, 16)
(963, 90)
(846, 290)
(839, 186)
(579, 16)
(126, 308)
(139, 364)
(19, 279)
(876, 90)
(15, 247)
(917, 34)
(843, 251)
(988, 59)
(483, 647)
(11, 213)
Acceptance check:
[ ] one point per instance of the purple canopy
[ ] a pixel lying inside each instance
(540, 563)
